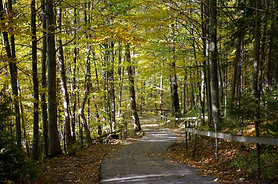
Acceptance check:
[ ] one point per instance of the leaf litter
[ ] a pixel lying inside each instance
(83, 167)
(204, 160)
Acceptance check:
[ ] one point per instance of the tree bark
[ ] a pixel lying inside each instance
(214, 70)
(54, 144)
(65, 95)
(10, 50)
(161, 91)
(83, 118)
(255, 79)
(206, 68)
(131, 72)
(120, 74)
(23, 125)
(173, 78)
(96, 106)
(35, 148)
(44, 84)
(111, 90)
(87, 92)
(75, 52)
(273, 50)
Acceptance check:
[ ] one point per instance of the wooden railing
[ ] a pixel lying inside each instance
(191, 121)
(237, 138)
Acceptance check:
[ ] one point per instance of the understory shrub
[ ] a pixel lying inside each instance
(14, 163)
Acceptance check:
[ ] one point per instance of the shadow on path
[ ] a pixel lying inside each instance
(140, 162)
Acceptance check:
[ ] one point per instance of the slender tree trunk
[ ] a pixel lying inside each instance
(273, 50)
(23, 125)
(35, 150)
(161, 91)
(214, 71)
(83, 118)
(120, 74)
(15, 79)
(255, 81)
(185, 98)
(10, 49)
(54, 142)
(83, 103)
(73, 120)
(111, 90)
(96, 106)
(131, 72)
(173, 79)
(79, 119)
(65, 95)
(205, 33)
(237, 79)
(74, 108)
(44, 84)
(87, 86)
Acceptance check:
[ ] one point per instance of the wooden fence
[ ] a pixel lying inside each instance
(237, 138)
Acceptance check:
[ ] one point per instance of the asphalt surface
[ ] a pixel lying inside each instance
(140, 162)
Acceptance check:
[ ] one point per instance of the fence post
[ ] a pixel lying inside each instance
(186, 140)
(195, 138)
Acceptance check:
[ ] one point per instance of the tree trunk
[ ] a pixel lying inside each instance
(237, 79)
(83, 118)
(214, 70)
(35, 150)
(131, 72)
(206, 68)
(185, 98)
(74, 108)
(111, 90)
(87, 92)
(273, 51)
(10, 50)
(161, 92)
(54, 144)
(96, 106)
(173, 79)
(15, 79)
(65, 95)
(120, 74)
(23, 125)
(44, 84)
(255, 81)
(73, 119)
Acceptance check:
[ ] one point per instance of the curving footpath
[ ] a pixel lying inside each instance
(140, 162)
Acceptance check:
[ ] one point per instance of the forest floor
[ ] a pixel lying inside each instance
(84, 166)
(236, 161)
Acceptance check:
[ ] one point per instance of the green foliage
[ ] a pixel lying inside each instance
(5, 111)
(270, 113)
(245, 162)
(193, 113)
(237, 114)
(14, 164)
(245, 109)
(270, 165)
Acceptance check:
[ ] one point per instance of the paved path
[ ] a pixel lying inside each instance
(140, 162)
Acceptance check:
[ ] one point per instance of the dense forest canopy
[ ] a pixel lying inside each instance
(77, 69)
